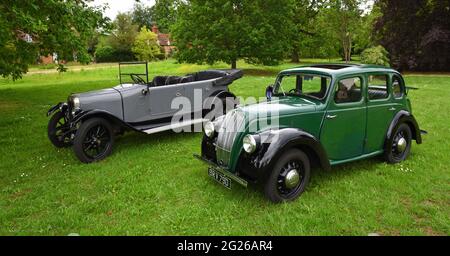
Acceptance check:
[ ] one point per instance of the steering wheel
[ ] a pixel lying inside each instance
(294, 91)
(137, 79)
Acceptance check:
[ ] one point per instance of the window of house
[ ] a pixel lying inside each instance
(397, 87)
(378, 87)
(348, 90)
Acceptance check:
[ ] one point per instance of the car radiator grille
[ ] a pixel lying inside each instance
(232, 125)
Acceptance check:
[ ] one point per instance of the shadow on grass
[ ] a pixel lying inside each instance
(260, 72)
(319, 178)
(134, 139)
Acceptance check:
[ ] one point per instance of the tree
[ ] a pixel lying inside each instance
(146, 46)
(364, 37)
(344, 17)
(303, 13)
(142, 15)
(416, 33)
(218, 30)
(37, 27)
(124, 33)
(164, 14)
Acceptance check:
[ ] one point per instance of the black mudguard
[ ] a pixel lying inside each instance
(208, 103)
(405, 117)
(84, 115)
(55, 108)
(257, 166)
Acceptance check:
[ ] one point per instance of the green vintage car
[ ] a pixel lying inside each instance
(314, 116)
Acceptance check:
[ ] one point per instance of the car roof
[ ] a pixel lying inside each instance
(337, 70)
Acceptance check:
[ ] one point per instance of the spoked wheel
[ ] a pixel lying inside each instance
(58, 130)
(94, 140)
(399, 145)
(289, 177)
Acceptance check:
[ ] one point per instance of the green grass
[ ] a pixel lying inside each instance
(152, 185)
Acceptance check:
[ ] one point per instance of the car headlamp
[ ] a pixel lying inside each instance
(76, 103)
(250, 144)
(209, 129)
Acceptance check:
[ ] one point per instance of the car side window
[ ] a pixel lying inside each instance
(378, 87)
(348, 90)
(397, 87)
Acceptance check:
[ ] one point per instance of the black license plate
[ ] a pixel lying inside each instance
(219, 177)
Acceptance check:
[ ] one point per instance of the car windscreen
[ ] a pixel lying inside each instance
(308, 85)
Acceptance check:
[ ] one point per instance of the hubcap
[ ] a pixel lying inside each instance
(292, 179)
(401, 145)
(96, 142)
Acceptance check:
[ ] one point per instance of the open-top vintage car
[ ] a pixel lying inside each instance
(89, 121)
(320, 115)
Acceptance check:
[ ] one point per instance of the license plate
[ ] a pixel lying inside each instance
(219, 177)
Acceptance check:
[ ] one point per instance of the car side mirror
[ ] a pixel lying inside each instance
(269, 92)
(145, 91)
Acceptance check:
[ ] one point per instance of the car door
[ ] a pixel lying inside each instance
(197, 92)
(160, 100)
(380, 110)
(344, 125)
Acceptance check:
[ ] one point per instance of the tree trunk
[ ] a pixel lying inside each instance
(233, 64)
(295, 57)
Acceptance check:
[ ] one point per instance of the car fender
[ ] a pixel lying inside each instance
(84, 115)
(404, 116)
(60, 106)
(217, 95)
(258, 165)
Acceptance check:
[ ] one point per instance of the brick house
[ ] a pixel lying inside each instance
(51, 58)
(164, 41)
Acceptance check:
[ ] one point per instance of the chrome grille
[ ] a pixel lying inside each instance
(232, 125)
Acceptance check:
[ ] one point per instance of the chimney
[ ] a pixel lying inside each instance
(155, 29)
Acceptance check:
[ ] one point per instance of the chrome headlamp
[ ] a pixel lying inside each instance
(75, 104)
(250, 143)
(209, 129)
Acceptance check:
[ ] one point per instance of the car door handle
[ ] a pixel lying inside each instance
(392, 109)
(331, 116)
(178, 94)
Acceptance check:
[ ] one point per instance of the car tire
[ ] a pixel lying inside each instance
(398, 147)
(57, 125)
(94, 140)
(280, 186)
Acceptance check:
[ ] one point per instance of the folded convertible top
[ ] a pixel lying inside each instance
(230, 76)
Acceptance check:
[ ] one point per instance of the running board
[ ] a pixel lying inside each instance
(174, 126)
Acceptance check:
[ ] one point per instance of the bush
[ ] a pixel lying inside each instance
(109, 54)
(375, 55)
(160, 56)
(145, 46)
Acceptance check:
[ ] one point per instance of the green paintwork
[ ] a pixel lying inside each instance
(357, 132)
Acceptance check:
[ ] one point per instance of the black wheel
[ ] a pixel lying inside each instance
(289, 177)
(94, 140)
(398, 146)
(58, 131)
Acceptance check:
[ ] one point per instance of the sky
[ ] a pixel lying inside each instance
(116, 6)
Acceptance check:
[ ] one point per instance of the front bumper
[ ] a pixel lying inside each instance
(224, 172)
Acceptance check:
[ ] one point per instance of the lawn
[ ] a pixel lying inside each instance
(152, 185)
